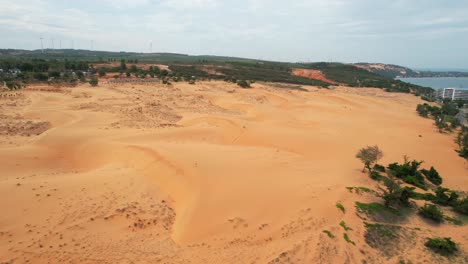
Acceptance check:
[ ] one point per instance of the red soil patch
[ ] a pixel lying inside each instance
(312, 74)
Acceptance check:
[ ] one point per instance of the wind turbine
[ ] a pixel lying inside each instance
(42, 46)
(92, 43)
(151, 46)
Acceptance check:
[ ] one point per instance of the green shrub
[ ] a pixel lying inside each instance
(395, 194)
(426, 98)
(443, 246)
(375, 175)
(414, 180)
(432, 175)
(243, 84)
(12, 85)
(329, 234)
(432, 212)
(341, 207)
(445, 196)
(102, 72)
(93, 81)
(346, 228)
(461, 206)
(346, 237)
(360, 190)
(409, 173)
(379, 168)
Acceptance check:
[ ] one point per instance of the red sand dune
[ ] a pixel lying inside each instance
(312, 74)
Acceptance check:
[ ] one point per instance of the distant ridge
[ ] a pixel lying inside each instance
(226, 68)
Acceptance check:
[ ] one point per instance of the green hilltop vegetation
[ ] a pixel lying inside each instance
(36, 66)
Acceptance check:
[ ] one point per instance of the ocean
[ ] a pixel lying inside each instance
(439, 82)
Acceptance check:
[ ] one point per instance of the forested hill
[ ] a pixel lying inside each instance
(394, 71)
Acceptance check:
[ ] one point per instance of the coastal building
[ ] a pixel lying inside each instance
(452, 93)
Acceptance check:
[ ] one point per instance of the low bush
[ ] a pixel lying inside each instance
(432, 212)
(443, 246)
(461, 206)
(432, 175)
(346, 237)
(93, 81)
(243, 84)
(329, 234)
(341, 207)
(346, 228)
(379, 168)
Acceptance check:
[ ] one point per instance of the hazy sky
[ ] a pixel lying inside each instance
(414, 33)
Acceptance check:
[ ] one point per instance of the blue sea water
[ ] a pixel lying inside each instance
(439, 82)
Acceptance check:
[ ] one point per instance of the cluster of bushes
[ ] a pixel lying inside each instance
(462, 141)
(267, 75)
(21, 71)
(42, 65)
(444, 116)
(187, 72)
(133, 70)
(239, 72)
(396, 195)
(445, 119)
(409, 173)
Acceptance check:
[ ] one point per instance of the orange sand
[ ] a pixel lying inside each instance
(312, 74)
(206, 173)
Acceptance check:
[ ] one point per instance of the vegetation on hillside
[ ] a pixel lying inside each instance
(187, 68)
(385, 233)
(357, 77)
(446, 120)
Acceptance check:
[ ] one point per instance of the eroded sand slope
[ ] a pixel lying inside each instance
(205, 173)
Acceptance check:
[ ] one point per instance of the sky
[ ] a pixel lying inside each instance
(413, 33)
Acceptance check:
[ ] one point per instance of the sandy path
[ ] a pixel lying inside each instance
(200, 173)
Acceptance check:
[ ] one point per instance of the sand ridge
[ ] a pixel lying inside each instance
(202, 173)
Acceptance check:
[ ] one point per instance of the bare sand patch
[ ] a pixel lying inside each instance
(207, 173)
